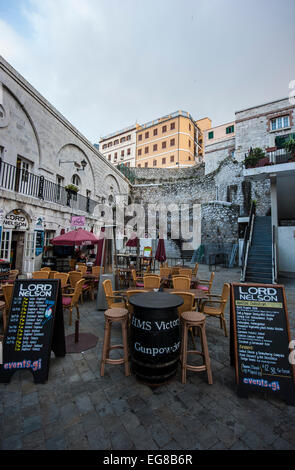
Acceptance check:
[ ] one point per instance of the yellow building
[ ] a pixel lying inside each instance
(203, 124)
(168, 142)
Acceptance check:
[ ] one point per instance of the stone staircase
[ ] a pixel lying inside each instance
(259, 265)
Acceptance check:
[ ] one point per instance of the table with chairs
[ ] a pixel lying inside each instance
(199, 304)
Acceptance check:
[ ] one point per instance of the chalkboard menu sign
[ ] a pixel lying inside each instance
(261, 340)
(35, 327)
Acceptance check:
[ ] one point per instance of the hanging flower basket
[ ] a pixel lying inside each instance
(72, 188)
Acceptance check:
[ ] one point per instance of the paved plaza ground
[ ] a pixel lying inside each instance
(78, 409)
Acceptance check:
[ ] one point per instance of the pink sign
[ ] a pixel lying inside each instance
(78, 221)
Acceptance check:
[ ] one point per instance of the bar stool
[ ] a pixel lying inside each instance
(115, 315)
(198, 320)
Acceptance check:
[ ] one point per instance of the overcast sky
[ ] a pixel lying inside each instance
(106, 64)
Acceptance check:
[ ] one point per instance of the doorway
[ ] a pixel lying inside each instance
(17, 250)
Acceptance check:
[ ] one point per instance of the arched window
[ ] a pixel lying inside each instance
(77, 182)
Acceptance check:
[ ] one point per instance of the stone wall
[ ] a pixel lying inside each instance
(33, 129)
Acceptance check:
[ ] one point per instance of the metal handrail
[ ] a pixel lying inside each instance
(274, 256)
(247, 241)
(23, 182)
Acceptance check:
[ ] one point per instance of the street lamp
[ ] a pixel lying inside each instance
(77, 165)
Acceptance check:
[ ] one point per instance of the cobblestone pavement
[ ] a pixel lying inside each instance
(78, 409)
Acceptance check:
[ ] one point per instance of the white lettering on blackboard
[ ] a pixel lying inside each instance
(264, 294)
(35, 290)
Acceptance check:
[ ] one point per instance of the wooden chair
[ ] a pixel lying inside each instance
(72, 264)
(188, 302)
(129, 294)
(70, 300)
(175, 271)
(74, 277)
(45, 269)
(64, 278)
(187, 306)
(215, 305)
(206, 284)
(195, 270)
(151, 281)
(82, 268)
(13, 274)
(112, 295)
(7, 290)
(40, 275)
(137, 281)
(181, 282)
(51, 274)
(96, 270)
(185, 272)
(165, 272)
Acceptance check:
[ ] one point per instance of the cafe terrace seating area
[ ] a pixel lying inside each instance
(81, 284)
(83, 407)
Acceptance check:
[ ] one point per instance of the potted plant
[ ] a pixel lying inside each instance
(290, 148)
(72, 188)
(253, 157)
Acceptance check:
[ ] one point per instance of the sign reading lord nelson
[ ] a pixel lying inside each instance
(261, 340)
(15, 220)
(35, 327)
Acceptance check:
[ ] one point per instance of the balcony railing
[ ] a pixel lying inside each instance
(22, 181)
(279, 156)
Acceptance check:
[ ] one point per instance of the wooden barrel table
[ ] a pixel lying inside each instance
(155, 336)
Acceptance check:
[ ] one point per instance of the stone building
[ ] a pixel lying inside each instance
(41, 154)
(120, 147)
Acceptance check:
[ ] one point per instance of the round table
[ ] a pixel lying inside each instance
(155, 336)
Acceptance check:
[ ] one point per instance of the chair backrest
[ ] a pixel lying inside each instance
(52, 274)
(181, 282)
(185, 272)
(108, 290)
(211, 282)
(74, 277)
(133, 292)
(195, 270)
(107, 287)
(96, 270)
(64, 277)
(13, 273)
(225, 295)
(82, 268)
(188, 301)
(151, 281)
(7, 292)
(77, 292)
(45, 269)
(165, 272)
(72, 264)
(134, 276)
(175, 270)
(40, 275)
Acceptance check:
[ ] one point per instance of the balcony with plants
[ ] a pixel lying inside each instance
(284, 153)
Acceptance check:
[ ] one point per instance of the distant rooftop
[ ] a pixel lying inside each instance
(149, 124)
(121, 131)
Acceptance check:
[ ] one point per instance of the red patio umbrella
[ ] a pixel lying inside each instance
(100, 243)
(75, 237)
(133, 241)
(161, 252)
